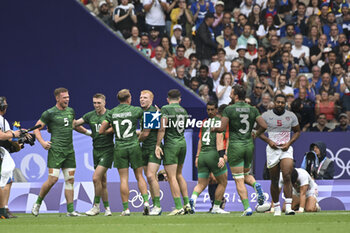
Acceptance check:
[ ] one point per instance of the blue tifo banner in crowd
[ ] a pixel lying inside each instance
(333, 195)
(32, 160)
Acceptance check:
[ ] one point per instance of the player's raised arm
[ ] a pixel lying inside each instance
(45, 144)
(77, 125)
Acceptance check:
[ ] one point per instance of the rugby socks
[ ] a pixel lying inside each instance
(288, 204)
(70, 207)
(125, 205)
(156, 201)
(245, 204)
(194, 197)
(178, 204)
(97, 200)
(106, 204)
(277, 206)
(39, 200)
(217, 204)
(254, 187)
(186, 200)
(145, 197)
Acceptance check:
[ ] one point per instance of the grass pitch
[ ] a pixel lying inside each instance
(326, 221)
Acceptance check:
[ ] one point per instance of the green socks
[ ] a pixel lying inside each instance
(106, 204)
(39, 200)
(97, 200)
(186, 200)
(217, 202)
(145, 197)
(156, 201)
(125, 205)
(70, 207)
(178, 204)
(245, 203)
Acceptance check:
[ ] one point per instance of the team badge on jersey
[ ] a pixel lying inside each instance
(151, 120)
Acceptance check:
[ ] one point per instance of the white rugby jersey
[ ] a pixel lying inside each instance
(304, 178)
(279, 127)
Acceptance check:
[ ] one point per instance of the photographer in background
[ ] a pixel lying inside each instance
(317, 164)
(6, 142)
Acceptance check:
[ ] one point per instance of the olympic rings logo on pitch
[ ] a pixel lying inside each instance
(345, 166)
(136, 199)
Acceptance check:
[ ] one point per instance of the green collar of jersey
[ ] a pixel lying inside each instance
(174, 104)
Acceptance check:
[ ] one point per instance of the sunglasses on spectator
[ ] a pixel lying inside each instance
(261, 88)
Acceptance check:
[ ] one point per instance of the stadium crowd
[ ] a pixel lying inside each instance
(296, 47)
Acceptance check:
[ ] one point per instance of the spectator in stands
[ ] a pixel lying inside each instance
(324, 12)
(344, 51)
(264, 28)
(328, 26)
(303, 83)
(154, 39)
(328, 87)
(189, 45)
(200, 9)
(313, 9)
(254, 17)
(273, 77)
(321, 124)
(203, 77)
(286, 63)
(180, 59)
(270, 8)
(317, 51)
(290, 33)
(275, 49)
(290, 99)
(265, 103)
(304, 109)
(262, 55)
(343, 123)
(170, 66)
(314, 20)
(239, 25)
(194, 85)
(238, 75)
(205, 44)
(182, 16)
(329, 62)
(316, 162)
(193, 69)
(333, 40)
(155, 14)
(218, 25)
(337, 75)
(226, 19)
(264, 79)
(256, 95)
(158, 58)
(124, 18)
(176, 38)
(293, 76)
(326, 106)
(242, 40)
(346, 22)
(134, 39)
(252, 52)
(219, 67)
(224, 88)
(204, 93)
(145, 47)
(180, 75)
(231, 50)
(104, 13)
(241, 57)
(301, 18)
(140, 14)
(224, 39)
(312, 37)
(315, 80)
(246, 7)
(168, 22)
(345, 90)
(302, 53)
(252, 78)
(168, 49)
(281, 82)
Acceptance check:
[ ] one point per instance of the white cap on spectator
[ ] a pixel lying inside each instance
(251, 41)
(102, 3)
(241, 47)
(177, 26)
(220, 3)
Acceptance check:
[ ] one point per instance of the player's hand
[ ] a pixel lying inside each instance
(196, 162)
(159, 152)
(138, 132)
(221, 162)
(284, 147)
(46, 145)
(17, 133)
(273, 145)
(225, 158)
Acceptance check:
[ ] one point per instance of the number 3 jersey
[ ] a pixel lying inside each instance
(124, 119)
(94, 121)
(279, 127)
(60, 125)
(241, 117)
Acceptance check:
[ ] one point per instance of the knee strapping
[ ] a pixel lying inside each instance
(68, 175)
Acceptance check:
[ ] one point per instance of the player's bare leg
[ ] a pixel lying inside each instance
(238, 175)
(171, 171)
(311, 204)
(124, 190)
(274, 189)
(183, 188)
(287, 168)
(142, 185)
(152, 169)
(219, 193)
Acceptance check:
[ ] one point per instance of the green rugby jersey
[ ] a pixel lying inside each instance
(151, 140)
(124, 119)
(177, 117)
(60, 125)
(241, 117)
(94, 121)
(208, 138)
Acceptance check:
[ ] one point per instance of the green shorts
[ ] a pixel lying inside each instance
(149, 156)
(57, 160)
(125, 157)
(208, 162)
(103, 157)
(240, 154)
(174, 154)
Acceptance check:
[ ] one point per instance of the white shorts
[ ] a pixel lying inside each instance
(309, 193)
(273, 157)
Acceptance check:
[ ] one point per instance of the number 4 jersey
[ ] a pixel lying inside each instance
(241, 117)
(124, 119)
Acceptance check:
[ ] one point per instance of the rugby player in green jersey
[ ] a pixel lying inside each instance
(103, 148)
(60, 123)
(127, 150)
(151, 163)
(210, 158)
(241, 118)
(172, 129)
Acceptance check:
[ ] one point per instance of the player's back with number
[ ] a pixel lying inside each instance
(124, 119)
(208, 138)
(60, 125)
(176, 116)
(242, 117)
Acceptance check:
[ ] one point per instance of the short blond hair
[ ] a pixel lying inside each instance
(99, 96)
(59, 90)
(123, 95)
(147, 92)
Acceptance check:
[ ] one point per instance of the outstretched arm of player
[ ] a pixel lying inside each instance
(77, 124)
(45, 144)
(262, 126)
(302, 200)
(222, 128)
(103, 129)
(144, 134)
(220, 148)
(296, 134)
(160, 136)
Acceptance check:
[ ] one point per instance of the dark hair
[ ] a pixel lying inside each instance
(222, 79)
(222, 108)
(194, 79)
(221, 50)
(192, 55)
(181, 46)
(294, 176)
(302, 4)
(174, 94)
(204, 67)
(212, 103)
(240, 92)
(2, 103)
(321, 114)
(169, 44)
(280, 95)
